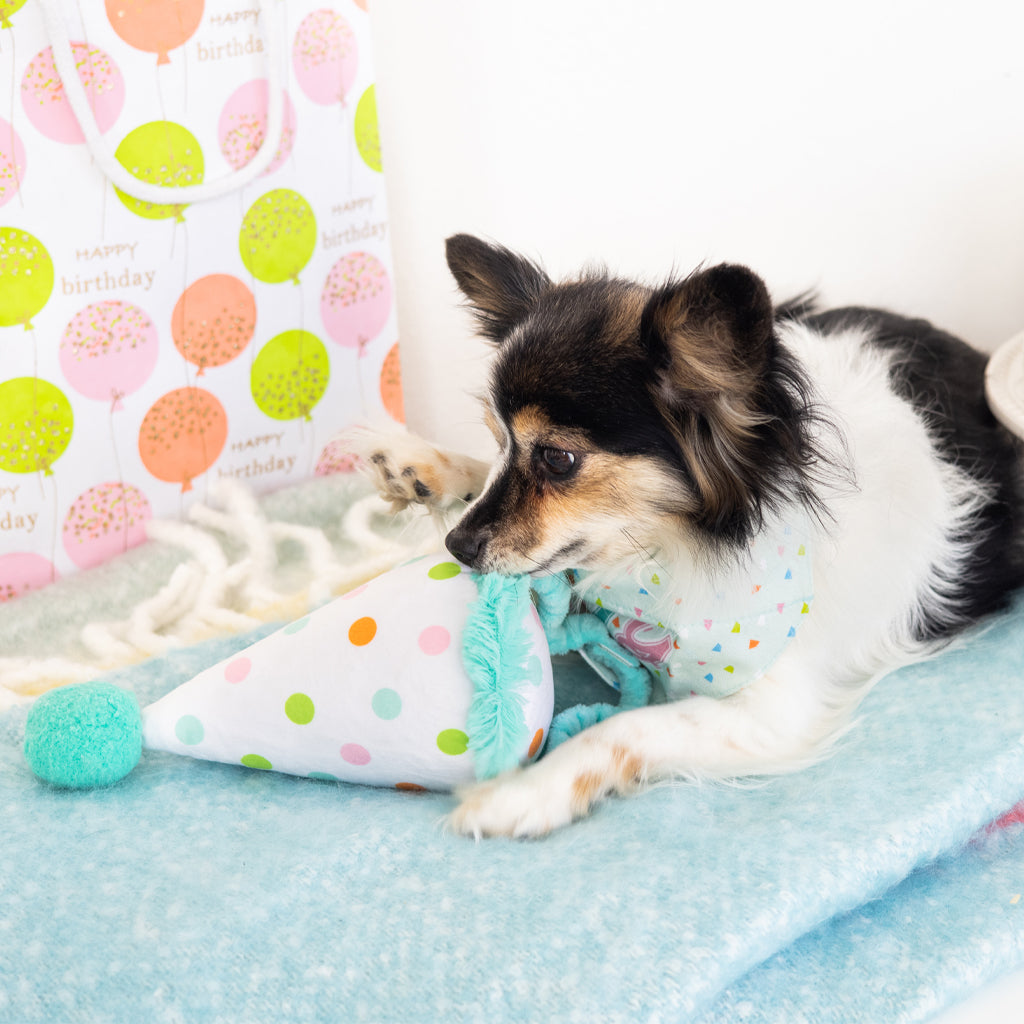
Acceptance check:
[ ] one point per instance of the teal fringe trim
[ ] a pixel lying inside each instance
(588, 633)
(496, 649)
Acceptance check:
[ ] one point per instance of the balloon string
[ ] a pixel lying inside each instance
(119, 472)
(10, 121)
(186, 365)
(53, 532)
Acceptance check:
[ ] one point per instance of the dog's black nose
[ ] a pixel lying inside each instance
(465, 545)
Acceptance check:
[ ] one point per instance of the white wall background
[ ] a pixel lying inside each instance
(873, 150)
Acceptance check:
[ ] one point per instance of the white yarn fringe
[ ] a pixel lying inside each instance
(209, 595)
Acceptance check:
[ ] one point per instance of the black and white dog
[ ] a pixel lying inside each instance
(676, 433)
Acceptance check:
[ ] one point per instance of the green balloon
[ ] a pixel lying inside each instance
(36, 422)
(367, 136)
(278, 236)
(7, 8)
(290, 375)
(160, 153)
(26, 277)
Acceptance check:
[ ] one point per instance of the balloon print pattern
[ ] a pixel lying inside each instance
(36, 423)
(7, 8)
(391, 385)
(278, 236)
(160, 153)
(104, 521)
(46, 104)
(26, 277)
(367, 135)
(109, 350)
(23, 571)
(213, 320)
(182, 435)
(243, 125)
(290, 375)
(356, 299)
(12, 162)
(155, 26)
(334, 459)
(325, 57)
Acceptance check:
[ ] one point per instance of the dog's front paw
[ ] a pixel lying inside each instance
(521, 804)
(403, 484)
(407, 470)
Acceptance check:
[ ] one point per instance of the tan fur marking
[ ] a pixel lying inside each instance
(430, 478)
(623, 315)
(586, 788)
(494, 425)
(733, 745)
(629, 767)
(529, 423)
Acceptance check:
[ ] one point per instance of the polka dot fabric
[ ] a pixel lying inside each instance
(370, 689)
(737, 636)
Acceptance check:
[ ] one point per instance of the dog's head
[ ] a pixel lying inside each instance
(626, 415)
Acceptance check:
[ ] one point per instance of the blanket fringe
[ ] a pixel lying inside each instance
(212, 594)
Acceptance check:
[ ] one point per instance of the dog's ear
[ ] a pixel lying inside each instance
(709, 334)
(711, 343)
(501, 286)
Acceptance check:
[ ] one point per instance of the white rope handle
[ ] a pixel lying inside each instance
(64, 59)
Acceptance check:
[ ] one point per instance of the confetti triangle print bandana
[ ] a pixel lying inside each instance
(713, 642)
(375, 687)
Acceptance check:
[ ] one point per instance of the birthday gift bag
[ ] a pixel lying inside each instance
(195, 279)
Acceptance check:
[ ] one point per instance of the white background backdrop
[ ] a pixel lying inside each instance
(874, 151)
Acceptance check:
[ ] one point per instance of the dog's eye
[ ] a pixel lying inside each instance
(557, 462)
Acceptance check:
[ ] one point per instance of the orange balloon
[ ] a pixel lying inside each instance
(391, 385)
(155, 26)
(213, 320)
(182, 435)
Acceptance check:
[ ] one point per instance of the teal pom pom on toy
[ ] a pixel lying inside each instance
(84, 735)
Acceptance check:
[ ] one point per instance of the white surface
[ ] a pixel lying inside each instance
(1004, 383)
(873, 151)
(1000, 1003)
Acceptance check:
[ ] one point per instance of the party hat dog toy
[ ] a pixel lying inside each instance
(427, 677)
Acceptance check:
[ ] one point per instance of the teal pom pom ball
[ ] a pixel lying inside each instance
(84, 735)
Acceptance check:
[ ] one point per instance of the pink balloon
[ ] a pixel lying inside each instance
(356, 299)
(335, 459)
(24, 571)
(108, 350)
(12, 162)
(325, 57)
(243, 124)
(46, 104)
(104, 521)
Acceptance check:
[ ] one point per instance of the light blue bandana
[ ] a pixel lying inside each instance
(724, 646)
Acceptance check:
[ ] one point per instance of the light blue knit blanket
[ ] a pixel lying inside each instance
(850, 892)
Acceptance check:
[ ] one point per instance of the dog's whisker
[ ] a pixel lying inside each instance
(547, 571)
(644, 552)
